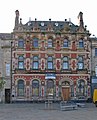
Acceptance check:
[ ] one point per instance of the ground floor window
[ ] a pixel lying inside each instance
(20, 88)
(50, 87)
(35, 88)
(81, 88)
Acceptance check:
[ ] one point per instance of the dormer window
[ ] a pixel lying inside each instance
(56, 24)
(42, 24)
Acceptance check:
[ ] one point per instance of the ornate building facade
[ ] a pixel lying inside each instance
(50, 58)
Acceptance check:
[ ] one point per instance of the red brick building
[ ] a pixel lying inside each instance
(50, 57)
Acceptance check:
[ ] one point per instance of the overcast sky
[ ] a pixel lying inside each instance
(57, 10)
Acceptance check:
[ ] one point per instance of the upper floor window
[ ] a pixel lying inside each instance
(35, 62)
(65, 63)
(35, 42)
(50, 63)
(65, 43)
(95, 51)
(50, 43)
(81, 43)
(21, 43)
(21, 62)
(80, 62)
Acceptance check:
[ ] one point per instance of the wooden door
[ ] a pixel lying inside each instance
(65, 93)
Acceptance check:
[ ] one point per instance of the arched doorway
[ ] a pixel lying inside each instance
(65, 94)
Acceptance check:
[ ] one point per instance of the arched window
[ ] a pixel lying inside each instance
(65, 63)
(20, 88)
(80, 63)
(35, 62)
(35, 88)
(50, 87)
(21, 62)
(21, 43)
(81, 87)
(81, 43)
(50, 63)
(35, 42)
(50, 43)
(65, 43)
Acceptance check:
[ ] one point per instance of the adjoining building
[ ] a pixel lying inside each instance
(93, 64)
(5, 61)
(50, 58)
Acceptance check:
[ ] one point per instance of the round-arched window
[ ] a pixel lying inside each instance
(20, 88)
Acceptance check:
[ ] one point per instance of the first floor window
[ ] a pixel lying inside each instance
(35, 62)
(21, 65)
(50, 63)
(35, 65)
(80, 63)
(65, 63)
(21, 62)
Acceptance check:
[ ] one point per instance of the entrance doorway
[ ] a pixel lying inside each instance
(65, 93)
(7, 95)
(65, 90)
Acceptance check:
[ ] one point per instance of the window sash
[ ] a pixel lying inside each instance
(35, 43)
(80, 65)
(95, 51)
(65, 65)
(50, 65)
(21, 65)
(50, 43)
(21, 44)
(81, 44)
(35, 65)
(65, 44)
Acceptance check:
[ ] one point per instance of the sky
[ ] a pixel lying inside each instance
(57, 10)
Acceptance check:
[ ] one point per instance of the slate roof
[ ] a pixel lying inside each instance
(5, 36)
(56, 25)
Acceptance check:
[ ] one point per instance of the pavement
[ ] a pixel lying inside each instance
(40, 111)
